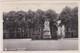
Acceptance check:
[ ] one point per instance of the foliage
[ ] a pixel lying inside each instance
(30, 21)
(69, 18)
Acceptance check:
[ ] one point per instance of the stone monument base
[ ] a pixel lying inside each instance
(47, 34)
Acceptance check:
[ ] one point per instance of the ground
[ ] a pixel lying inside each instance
(40, 45)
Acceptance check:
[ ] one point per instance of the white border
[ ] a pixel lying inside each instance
(1, 28)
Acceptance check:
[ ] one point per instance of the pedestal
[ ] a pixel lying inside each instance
(46, 30)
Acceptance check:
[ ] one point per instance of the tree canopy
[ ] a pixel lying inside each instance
(16, 20)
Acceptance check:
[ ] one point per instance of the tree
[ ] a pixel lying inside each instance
(65, 17)
(39, 18)
(31, 18)
(5, 26)
(22, 23)
(75, 17)
(52, 17)
(9, 23)
(74, 21)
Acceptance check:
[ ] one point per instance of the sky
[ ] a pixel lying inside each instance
(57, 7)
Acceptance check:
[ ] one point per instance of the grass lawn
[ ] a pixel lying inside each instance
(40, 45)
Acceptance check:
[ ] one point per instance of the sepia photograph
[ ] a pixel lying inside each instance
(40, 26)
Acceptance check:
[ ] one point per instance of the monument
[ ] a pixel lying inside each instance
(46, 30)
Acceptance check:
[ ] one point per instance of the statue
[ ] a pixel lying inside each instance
(46, 30)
